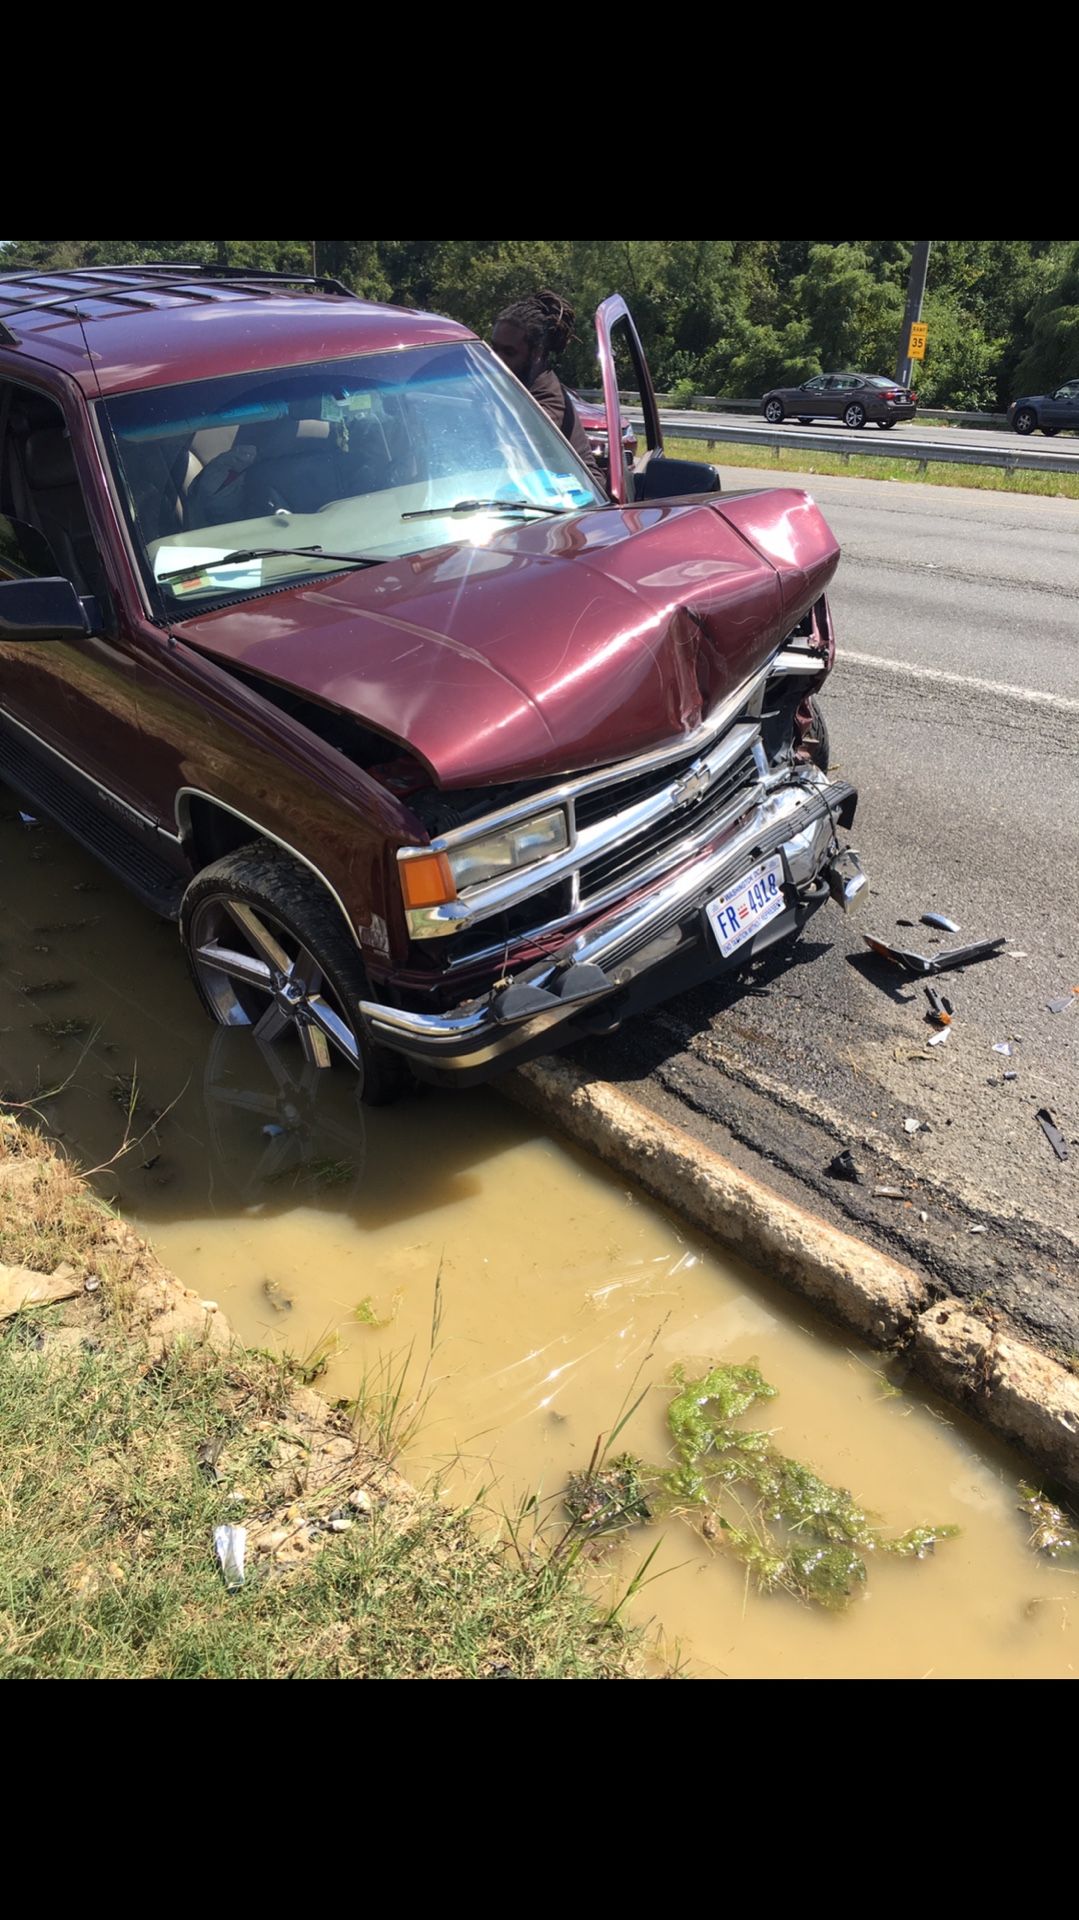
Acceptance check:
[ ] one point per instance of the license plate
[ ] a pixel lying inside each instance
(735, 916)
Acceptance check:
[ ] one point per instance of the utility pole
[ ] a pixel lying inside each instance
(314, 259)
(919, 268)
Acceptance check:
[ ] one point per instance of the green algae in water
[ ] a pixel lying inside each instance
(818, 1553)
(825, 1531)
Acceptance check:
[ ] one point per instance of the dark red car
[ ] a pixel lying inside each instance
(593, 419)
(314, 629)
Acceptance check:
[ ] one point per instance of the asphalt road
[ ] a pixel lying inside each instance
(918, 428)
(954, 707)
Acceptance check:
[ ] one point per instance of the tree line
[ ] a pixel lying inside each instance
(726, 317)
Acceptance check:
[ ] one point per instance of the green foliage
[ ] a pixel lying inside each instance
(1052, 354)
(797, 1533)
(725, 317)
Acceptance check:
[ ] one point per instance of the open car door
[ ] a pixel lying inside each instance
(652, 476)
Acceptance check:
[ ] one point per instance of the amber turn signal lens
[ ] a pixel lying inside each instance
(426, 880)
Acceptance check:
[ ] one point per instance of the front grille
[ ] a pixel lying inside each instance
(617, 795)
(618, 866)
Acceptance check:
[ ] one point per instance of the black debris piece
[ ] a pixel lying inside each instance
(843, 1167)
(1052, 1132)
(940, 1011)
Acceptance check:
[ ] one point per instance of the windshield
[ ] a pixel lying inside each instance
(366, 459)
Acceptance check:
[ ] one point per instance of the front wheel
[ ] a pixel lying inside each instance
(855, 414)
(774, 412)
(268, 951)
(1025, 420)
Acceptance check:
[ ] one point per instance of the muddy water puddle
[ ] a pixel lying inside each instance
(324, 1230)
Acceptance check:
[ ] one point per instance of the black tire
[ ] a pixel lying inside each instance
(805, 419)
(885, 424)
(774, 412)
(816, 740)
(854, 416)
(295, 911)
(1050, 432)
(1025, 420)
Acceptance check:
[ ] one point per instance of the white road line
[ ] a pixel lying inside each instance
(1033, 697)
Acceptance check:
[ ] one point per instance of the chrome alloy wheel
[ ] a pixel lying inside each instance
(255, 973)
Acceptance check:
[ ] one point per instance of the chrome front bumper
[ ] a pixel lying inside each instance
(613, 952)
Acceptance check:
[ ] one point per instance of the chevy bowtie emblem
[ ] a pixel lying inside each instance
(691, 785)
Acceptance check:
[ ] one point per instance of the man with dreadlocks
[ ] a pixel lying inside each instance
(527, 336)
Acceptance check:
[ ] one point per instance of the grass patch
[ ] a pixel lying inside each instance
(935, 473)
(106, 1569)
(122, 1456)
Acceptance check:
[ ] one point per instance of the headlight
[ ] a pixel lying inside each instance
(517, 846)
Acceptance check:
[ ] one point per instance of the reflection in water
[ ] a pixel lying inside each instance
(262, 1183)
(278, 1127)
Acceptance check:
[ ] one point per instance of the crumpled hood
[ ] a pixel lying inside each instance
(559, 646)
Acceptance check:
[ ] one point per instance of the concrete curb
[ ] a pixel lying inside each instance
(1020, 1395)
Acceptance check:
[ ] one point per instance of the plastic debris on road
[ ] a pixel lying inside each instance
(940, 1009)
(938, 962)
(1002, 1046)
(911, 1125)
(1052, 1132)
(888, 1193)
(230, 1544)
(940, 920)
(1059, 1006)
(938, 1039)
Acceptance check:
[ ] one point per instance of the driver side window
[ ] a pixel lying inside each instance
(40, 488)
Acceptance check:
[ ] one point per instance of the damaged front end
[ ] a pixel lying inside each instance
(567, 907)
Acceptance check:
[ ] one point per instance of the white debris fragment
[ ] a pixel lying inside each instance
(230, 1544)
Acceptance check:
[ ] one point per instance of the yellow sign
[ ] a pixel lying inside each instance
(918, 335)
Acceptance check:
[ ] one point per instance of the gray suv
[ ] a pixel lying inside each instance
(1049, 411)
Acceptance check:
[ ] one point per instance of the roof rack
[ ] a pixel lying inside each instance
(35, 291)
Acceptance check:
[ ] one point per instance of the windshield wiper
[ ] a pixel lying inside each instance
(267, 553)
(481, 506)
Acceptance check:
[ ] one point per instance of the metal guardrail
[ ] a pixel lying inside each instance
(880, 446)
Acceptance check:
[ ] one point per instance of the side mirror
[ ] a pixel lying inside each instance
(658, 478)
(41, 610)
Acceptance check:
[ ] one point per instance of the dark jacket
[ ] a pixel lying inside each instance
(547, 388)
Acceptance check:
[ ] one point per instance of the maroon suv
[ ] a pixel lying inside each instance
(315, 630)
